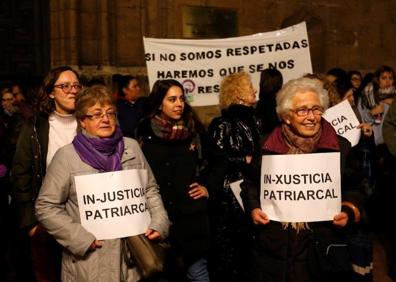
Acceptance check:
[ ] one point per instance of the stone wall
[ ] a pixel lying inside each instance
(102, 37)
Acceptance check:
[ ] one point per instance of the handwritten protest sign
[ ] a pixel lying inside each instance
(113, 204)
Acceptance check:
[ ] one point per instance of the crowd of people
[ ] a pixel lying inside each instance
(214, 233)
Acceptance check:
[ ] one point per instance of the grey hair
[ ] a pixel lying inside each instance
(292, 87)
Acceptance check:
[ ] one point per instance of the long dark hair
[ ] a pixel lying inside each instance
(378, 73)
(44, 104)
(271, 81)
(160, 88)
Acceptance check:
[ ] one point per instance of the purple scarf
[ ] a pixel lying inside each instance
(103, 154)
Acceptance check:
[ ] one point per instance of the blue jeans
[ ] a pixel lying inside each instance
(198, 271)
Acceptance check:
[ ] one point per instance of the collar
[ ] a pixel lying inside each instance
(328, 140)
(120, 98)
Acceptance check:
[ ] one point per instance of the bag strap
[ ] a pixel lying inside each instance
(126, 254)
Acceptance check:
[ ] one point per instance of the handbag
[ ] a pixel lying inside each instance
(148, 256)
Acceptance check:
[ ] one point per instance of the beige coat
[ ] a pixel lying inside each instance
(57, 210)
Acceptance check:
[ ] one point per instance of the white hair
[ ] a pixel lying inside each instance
(299, 85)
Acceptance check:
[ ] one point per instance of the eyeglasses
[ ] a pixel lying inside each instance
(7, 99)
(100, 116)
(302, 112)
(66, 87)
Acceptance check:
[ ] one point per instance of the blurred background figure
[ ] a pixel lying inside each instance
(18, 93)
(387, 200)
(12, 122)
(130, 105)
(355, 79)
(271, 82)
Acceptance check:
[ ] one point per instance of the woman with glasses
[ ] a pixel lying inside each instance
(53, 126)
(171, 144)
(283, 249)
(98, 147)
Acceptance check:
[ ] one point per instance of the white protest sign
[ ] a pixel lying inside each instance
(199, 65)
(113, 204)
(344, 121)
(302, 187)
(236, 190)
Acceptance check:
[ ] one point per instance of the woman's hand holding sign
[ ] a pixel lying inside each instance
(340, 219)
(259, 217)
(152, 234)
(96, 245)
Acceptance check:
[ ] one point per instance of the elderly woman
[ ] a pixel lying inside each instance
(98, 147)
(282, 248)
(234, 141)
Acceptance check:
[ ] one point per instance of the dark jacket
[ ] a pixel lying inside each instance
(389, 129)
(12, 125)
(283, 254)
(29, 168)
(129, 114)
(175, 166)
(232, 136)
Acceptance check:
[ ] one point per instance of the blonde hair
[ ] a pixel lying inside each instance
(232, 88)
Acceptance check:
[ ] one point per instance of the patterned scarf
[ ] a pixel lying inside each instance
(299, 145)
(103, 154)
(172, 130)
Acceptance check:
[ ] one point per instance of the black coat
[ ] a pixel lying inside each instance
(233, 136)
(283, 255)
(129, 114)
(175, 165)
(28, 168)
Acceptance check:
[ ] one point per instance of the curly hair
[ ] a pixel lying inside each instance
(232, 88)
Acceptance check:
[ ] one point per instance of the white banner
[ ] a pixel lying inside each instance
(113, 204)
(344, 121)
(301, 188)
(200, 64)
